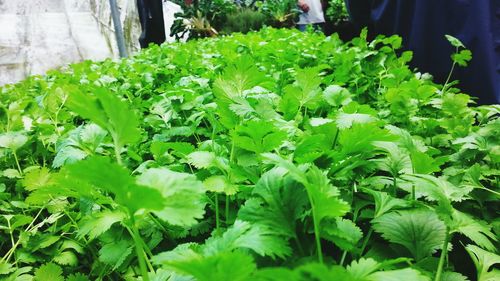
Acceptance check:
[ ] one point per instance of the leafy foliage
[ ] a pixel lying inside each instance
(275, 155)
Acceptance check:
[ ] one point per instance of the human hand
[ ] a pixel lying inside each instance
(303, 6)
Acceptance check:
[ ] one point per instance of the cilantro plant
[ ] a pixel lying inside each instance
(275, 155)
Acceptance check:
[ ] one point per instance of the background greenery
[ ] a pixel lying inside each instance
(275, 155)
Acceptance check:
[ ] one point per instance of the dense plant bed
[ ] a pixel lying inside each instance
(276, 155)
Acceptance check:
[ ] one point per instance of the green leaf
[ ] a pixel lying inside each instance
(179, 149)
(280, 203)
(478, 231)
(228, 266)
(370, 270)
(202, 159)
(362, 138)
(297, 173)
(276, 274)
(408, 274)
(396, 162)
(66, 258)
(343, 232)
(37, 178)
(258, 238)
(437, 189)
(11, 174)
(453, 276)
(220, 184)
(182, 195)
(289, 104)
(6, 268)
(13, 140)
(49, 271)
(423, 163)
(462, 58)
(347, 120)
(115, 253)
(47, 241)
(92, 135)
(77, 277)
(311, 148)
(385, 203)
(484, 260)
(336, 95)
(111, 177)
(454, 41)
(321, 272)
(308, 80)
(258, 136)
(95, 225)
(67, 155)
(419, 231)
(237, 78)
(324, 196)
(362, 268)
(109, 112)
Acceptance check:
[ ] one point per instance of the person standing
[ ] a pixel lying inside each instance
(152, 24)
(423, 25)
(311, 14)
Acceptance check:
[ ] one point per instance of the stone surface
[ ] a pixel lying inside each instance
(38, 35)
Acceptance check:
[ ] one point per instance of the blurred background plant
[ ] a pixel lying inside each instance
(209, 18)
(336, 11)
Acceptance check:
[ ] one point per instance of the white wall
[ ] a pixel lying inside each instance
(38, 35)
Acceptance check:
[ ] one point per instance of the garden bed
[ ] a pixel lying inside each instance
(276, 155)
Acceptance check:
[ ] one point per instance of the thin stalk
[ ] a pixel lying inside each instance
(10, 233)
(448, 78)
(299, 245)
(226, 214)
(139, 251)
(449, 74)
(217, 219)
(444, 253)
(335, 139)
(342, 259)
(365, 243)
(317, 237)
(394, 186)
(9, 253)
(17, 163)
(147, 255)
(492, 191)
(231, 155)
(118, 153)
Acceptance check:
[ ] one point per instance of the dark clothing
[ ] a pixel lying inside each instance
(151, 18)
(423, 24)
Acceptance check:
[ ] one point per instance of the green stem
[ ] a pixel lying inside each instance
(394, 186)
(217, 219)
(118, 154)
(316, 228)
(227, 210)
(448, 78)
(139, 251)
(299, 245)
(9, 253)
(17, 162)
(335, 139)
(147, 252)
(231, 155)
(444, 253)
(365, 243)
(342, 259)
